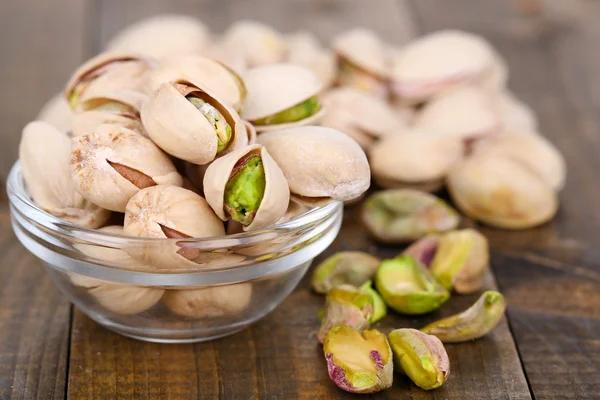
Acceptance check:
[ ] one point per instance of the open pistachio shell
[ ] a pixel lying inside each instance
(258, 43)
(404, 215)
(460, 260)
(346, 305)
(415, 158)
(209, 302)
(189, 122)
(281, 95)
(473, 323)
(407, 287)
(226, 188)
(319, 162)
(421, 357)
(509, 195)
(107, 72)
(163, 35)
(346, 267)
(45, 154)
(57, 113)
(112, 163)
(379, 306)
(304, 49)
(358, 362)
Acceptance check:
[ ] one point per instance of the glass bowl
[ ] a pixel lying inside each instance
(237, 279)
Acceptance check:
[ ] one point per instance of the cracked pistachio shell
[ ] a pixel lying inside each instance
(163, 36)
(379, 306)
(276, 193)
(533, 151)
(421, 357)
(407, 287)
(346, 305)
(215, 76)
(117, 108)
(501, 192)
(475, 322)
(460, 260)
(319, 163)
(180, 129)
(304, 49)
(404, 215)
(57, 113)
(167, 211)
(45, 153)
(258, 43)
(107, 72)
(209, 302)
(424, 249)
(346, 267)
(516, 116)
(112, 163)
(439, 61)
(466, 113)
(358, 362)
(276, 88)
(416, 158)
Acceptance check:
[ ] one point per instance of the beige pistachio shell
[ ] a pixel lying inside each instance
(45, 154)
(516, 116)
(276, 196)
(162, 36)
(57, 113)
(213, 75)
(304, 49)
(532, 151)
(363, 48)
(179, 128)
(501, 192)
(466, 113)
(209, 302)
(319, 162)
(112, 163)
(125, 299)
(258, 43)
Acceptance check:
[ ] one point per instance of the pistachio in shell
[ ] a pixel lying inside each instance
(209, 302)
(516, 116)
(408, 288)
(319, 163)
(304, 49)
(404, 215)
(501, 192)
(358, 362)
(258, 43)
(421, 357)
(168, 211)
(379, 306)
(247, 186)
(346, 267)
(473, 323)
(460, 260)
(346, 305)
(416, 159)
(112, 163)
(45, 153)
(57, 112)
(281, 96)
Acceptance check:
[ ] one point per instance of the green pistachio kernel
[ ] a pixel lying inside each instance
(216, 119)
(295, 113)
(245, 189)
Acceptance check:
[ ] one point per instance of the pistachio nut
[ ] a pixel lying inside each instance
(167, 211)
(190, 123)
(532, 151)
(281, 96)
(304, 49)
(107, 72)
(346, 267)
(247, 186)
(163, 36)
(415, 159)
(421, 357)
(460, 261)
(363, 61)
(424, 249)
(117, 108)
(258, 43)
(358, 362)
(407, 287)
(346, 305)
(404, 215)
(57, 113)
(44, 153)
(209, 302)
(508, 196)
(319, 163)
(473, 323)
(112, 163)
(220, 79)
(379, 306)
(516, 116)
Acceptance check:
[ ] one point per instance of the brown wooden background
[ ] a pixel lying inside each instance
(548, 347)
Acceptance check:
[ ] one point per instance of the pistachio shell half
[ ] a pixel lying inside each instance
(57, 113)
(258, 43)
(346, 305)
(319, 162)
(346, 267)
(209, 302)
(45, 153)
(112, 163)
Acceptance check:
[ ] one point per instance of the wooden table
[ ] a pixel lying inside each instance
(548, 347)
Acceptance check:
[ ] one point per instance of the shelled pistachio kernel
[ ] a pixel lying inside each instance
(346, 267)
(346, 305)
(379, 306)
